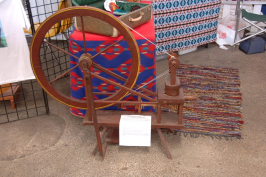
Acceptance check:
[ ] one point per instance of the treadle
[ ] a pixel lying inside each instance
(169, 119)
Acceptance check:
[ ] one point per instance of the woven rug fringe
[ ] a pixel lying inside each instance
(198, 134)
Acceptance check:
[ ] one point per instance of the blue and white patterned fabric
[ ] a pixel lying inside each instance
(183, 24)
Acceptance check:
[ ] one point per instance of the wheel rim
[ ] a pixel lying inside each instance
(76, 12)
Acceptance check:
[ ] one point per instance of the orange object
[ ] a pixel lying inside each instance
(113, 6)
(133, 0)
(10, 92)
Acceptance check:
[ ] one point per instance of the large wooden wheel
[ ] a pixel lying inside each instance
(82, 12)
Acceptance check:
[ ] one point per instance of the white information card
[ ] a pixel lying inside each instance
(135, 130)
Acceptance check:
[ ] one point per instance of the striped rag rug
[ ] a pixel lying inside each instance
(217, 112)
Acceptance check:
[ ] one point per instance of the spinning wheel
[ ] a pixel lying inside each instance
(81, 12)
(172, 96)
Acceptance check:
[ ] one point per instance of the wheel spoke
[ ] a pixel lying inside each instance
(107, 48)
(53, 56)
(108, 72)
(61, 50)
(83, 33)
(120, 77)
(63, 74)
(122, 87)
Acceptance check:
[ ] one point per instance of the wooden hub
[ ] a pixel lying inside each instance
(85, 61)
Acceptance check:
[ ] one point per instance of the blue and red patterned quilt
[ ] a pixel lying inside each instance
(116, 59)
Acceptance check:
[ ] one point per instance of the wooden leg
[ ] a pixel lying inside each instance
(12, 104)
(104, 149)
(90, 104)
(159, 113)
(168, 154)
(139, 106)
(101, 136)
(180, 113)
(99, 142)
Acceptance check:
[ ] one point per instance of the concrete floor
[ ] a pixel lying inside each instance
(58, 144)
